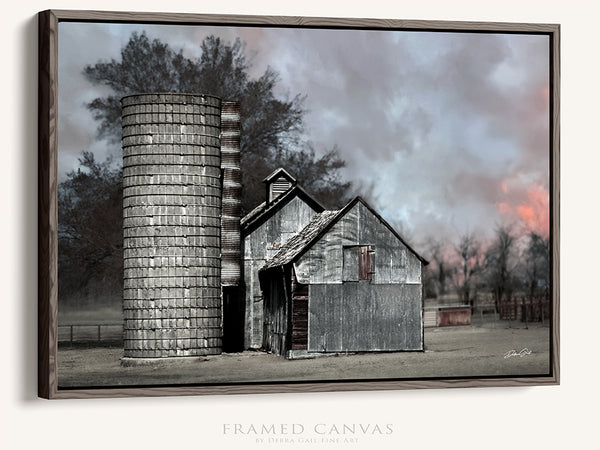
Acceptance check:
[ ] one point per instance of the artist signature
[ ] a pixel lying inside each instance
(511, 353)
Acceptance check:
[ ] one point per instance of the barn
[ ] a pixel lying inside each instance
(346, 282)
(290, 277)
(287, 209)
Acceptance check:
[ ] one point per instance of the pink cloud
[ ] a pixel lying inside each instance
(504, 208)
(535, 211)
(531, 210)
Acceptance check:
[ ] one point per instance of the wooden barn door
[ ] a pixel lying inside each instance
(299, 314)
(364, 262)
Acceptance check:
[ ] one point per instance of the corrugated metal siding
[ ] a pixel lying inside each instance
(413, 268)
(261, 245)
(232, 194)
(362, 316)
(350, 271)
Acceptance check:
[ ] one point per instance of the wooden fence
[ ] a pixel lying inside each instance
(90, 333)
(525, 309)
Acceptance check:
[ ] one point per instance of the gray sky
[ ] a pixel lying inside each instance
(451, 129)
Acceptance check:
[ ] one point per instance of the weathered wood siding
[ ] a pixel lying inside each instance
(299, 315)
(448, 317)
(364, 262)
(361, 316)
(350, 266)
(347, 313)
(430, 318)
(259, 246)
(392, 262)
(276, 325)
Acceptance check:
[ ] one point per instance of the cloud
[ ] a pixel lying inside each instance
(528, 209)
(445, 127)
(465, 116)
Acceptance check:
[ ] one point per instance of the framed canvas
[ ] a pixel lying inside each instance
(258, 204)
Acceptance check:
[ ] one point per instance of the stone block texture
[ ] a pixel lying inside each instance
(172, 191)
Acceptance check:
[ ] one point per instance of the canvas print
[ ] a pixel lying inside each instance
(253, 204)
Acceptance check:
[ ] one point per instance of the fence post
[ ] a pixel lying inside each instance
(71, 336)
(99, 332)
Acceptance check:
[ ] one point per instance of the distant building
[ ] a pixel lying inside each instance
(346, 282)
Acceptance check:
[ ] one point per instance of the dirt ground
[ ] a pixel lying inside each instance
(449, 352)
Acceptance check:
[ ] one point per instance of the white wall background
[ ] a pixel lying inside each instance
(544, 417)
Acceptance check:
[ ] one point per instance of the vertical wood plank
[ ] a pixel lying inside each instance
(47, 205)
(554, 52)
(364, 262)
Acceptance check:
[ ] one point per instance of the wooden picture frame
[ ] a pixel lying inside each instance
(48, 385)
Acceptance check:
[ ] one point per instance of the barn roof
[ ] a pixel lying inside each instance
(281, 172)
(296, 244)
(316, 228)
(262, 212)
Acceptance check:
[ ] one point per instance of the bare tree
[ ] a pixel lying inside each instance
(469, 267)
(272, 127)
(500, 264)
(90, 234)
(537, 266)
(90, 251)
(439, 271)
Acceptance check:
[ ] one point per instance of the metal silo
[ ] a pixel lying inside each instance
(233, 312)
(172, 191)
(232, 194)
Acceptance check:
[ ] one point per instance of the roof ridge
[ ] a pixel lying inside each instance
(262, 209)
(279, 170)
(292, 248)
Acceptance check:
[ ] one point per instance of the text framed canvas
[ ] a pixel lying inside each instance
(257, 204)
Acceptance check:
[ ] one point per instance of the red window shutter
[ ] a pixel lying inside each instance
(364, 262)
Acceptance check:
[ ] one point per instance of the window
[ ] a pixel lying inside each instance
(280, 186)
(358, 263)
